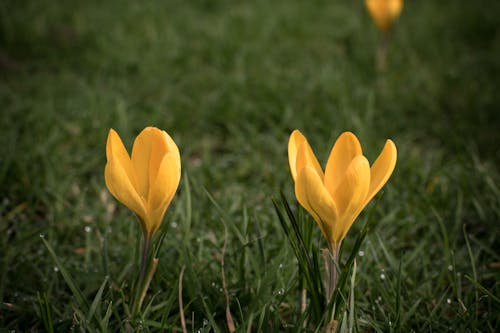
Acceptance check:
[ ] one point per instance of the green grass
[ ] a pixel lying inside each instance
(229, 81)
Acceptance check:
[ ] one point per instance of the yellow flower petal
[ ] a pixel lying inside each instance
(395, 8)
(116, 150)
(313, 196)
(384, 12)
(296, 139)
(306, 157)
(155, 219)
(155, 170)
(345, 149)
(141, 158)
(159, 148)
(173, 149)
(122, 189)
(350, 194)
(382, 169)
(297, 159)
(163, 189)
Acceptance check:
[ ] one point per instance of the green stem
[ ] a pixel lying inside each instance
(382, 52)
(139, 286)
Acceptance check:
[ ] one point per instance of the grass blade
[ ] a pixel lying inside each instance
(45, 312)
(95, 303)
(77, 293)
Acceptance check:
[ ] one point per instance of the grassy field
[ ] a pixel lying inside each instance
(230, 80)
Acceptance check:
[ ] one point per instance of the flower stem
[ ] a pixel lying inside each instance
(331, 260)
(382, 52)
(331, 257)
(140, 285)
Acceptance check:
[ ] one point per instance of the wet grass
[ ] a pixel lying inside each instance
(230, 81)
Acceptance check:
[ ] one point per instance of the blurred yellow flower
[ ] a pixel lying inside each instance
(336, 197)
(384, 12)
(147, 181)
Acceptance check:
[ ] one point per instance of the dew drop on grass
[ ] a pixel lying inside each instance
(173, 224)
(56, 269)
(280, 292)
(280, 266)
(87, 229)
(382, 276)
(450, 268)
(448, 301)
(42, 236)
(361, 253)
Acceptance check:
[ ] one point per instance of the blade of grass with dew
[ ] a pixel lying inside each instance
(308, 265)
(80, 299)
(208, 313)
(313, 271)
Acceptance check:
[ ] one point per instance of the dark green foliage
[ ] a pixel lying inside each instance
(229, 80)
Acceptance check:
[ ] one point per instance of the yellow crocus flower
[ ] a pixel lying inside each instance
(147, 181)
(384, 12)
(336, 197)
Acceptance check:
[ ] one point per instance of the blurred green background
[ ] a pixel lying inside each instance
(229, 81)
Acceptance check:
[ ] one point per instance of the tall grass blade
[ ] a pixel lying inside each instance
(308, 265)
(77, 293)
(483, 289)
(95, 304)
(473, 265)
(351, 299)
(45, 312)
